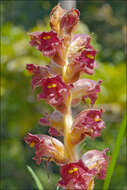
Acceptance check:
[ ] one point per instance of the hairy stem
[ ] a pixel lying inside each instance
(70, 152)
(65, 56)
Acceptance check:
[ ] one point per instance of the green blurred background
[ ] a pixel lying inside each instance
(20, 111)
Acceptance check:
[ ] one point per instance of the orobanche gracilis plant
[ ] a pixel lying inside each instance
(61, 88)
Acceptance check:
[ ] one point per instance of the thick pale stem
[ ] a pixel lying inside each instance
(65, 56)
(65, 69)
(69, 147)
(70, 152)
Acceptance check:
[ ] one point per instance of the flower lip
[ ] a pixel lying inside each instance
(49, 36)
(86, 59)
(76, 176)
(54, 91)
(86, 88)
(96, 160)
(87, 123)
(89, 118)
(46, 42)
(32, 139)
(39, 73)
(46, 147)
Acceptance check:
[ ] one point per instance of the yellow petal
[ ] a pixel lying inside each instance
(32, 144)
(97, 119)
(47, 37)
(90, 56)
(52, 86)
(70, 171)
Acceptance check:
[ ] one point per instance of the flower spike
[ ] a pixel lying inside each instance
(61, 87)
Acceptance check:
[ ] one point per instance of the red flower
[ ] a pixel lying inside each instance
(55, 122)
(55, 92)
(97, 160)
(39, 73)
(46, 146)
(85, 88)
(81, 57)
(69, 20)
(44, 120)
(80, 41)
(76, 176)
(87, 123)
(34, 41)
(53, 132)
(86, 61)
(47, 42)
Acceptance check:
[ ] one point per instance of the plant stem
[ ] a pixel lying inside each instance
(70, 152)
(69, 147)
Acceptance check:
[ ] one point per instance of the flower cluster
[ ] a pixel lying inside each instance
(61, 87)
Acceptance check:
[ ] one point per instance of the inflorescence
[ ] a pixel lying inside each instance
(71, 54)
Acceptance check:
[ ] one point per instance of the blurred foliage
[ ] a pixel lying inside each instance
(20, 111)
(36, 178)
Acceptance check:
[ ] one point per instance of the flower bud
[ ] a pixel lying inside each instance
(69, 21)
(55, 18)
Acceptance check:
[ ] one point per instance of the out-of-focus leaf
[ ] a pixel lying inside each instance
(36, 179)
(115, 154)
